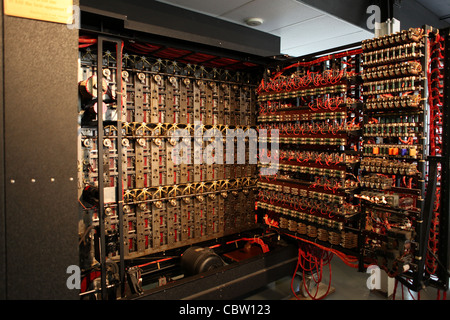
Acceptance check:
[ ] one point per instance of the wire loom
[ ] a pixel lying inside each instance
(435, 74)
(312, 258)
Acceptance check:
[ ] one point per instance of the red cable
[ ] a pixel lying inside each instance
(87, 40)
(84, 45)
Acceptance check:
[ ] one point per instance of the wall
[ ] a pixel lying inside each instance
(38, 190)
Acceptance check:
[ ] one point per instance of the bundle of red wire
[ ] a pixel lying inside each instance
(85, 41)
(435, 100)
(312, 258)
(329, 77)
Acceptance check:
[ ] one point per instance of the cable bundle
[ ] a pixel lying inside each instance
(280, 83)
(331, 103)
(435, 100)
(84, 42)
(312, 260)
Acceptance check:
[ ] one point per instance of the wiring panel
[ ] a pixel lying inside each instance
(158, 124)
(315, 107)
(394, 151)
(338, 154)
(359, 133)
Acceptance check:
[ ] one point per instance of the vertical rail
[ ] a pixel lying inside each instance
(422, 167)
(362, 218)
(101, 186)
(101, 198)
(119, 193)
(427, 214)
(422, 163)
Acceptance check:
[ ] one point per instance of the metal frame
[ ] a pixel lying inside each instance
(429, 191)
(105, 288)
(428, 188)
(101, 209)
(424, 231)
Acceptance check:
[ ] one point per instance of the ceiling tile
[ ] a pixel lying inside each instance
(276, 14)
(318, 29)
(302, 29)
(210, 7)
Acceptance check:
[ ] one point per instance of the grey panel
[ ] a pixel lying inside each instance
(40, 96)
(413, 14)
(169, 21)
(352, 11)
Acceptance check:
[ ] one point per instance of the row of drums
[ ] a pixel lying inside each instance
(348, 240)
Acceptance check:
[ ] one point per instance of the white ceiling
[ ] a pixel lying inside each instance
(301, 28)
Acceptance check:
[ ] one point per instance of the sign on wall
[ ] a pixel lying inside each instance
(59, 11)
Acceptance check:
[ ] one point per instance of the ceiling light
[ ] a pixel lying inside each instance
(254, 22)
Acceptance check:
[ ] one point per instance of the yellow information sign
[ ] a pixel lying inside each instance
(60, 11)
